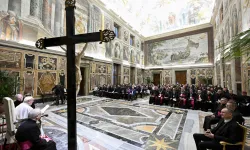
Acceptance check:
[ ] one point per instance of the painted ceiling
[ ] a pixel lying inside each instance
(152, 17)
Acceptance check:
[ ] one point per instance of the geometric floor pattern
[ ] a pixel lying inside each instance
(146, 126)
(108, 124)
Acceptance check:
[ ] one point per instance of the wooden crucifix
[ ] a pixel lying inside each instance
(70, 40)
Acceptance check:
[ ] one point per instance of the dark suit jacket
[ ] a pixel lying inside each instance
(229, 132)
(237, 116)
(29, 131)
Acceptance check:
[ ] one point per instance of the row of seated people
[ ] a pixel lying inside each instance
(197, 97)
(228, 130)
(228, 120)
(129, 92)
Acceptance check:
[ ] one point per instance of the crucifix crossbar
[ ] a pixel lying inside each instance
(103, 36)
(70, 40)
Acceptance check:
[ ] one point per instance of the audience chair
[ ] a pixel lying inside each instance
(224, 144)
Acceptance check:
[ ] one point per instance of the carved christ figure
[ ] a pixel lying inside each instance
(78, 68)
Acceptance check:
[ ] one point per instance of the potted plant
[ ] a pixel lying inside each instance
(8, 84)
(237, 47)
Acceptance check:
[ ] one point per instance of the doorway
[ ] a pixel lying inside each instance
(181, 77)
(156, 78)
(116, 74)
(82, 84)
(132, 75)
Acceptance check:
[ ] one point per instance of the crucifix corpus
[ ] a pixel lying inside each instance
(70, 40)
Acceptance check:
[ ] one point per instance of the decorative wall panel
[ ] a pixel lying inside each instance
(139, 76)
(47, 63)
(167, 77)
(126, 75)
(62, 63)
(29, 79)
(10, 59)
(100, 74)
(228, 82)
(46, 81)
(29, 61)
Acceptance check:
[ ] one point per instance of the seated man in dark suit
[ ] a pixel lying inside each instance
(237, 116)
(215, 118)
(227, 130)
(28, 133)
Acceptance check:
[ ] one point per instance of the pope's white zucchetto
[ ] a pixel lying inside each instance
(28, 98)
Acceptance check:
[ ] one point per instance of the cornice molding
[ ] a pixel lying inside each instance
(15, 45)
(180, 31)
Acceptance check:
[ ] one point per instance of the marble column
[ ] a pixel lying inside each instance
(233, 77)
(46, 14)
(122, 74)
(58, 15)
(135, 76)
(25, 5)
(215, 82)
(4, 5)
(34, 8)
(52, 16)
(173, 77)
(15, 6)
(188, 76)
(62, 20)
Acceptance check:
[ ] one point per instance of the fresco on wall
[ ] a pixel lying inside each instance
(239, 17)
(138, 58)
(10, 26)
(234, 20)
(47, 63)
(125, 53)
(117, 49)
(10, 59)
(189, 49)
(125, 35)
(188, 12)
(108, 46)
(94, 25)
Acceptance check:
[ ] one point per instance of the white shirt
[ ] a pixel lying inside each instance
(22, 111)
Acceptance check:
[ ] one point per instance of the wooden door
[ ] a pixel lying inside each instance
(156, 79)
(181, 77)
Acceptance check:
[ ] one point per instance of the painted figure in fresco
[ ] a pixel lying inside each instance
(10, 26)
(108, 45)
(171, 19)
(126, 36)
(117, 50)
(78, 64)
(125, 53)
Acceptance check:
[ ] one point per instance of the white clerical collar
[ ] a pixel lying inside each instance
(226, 121)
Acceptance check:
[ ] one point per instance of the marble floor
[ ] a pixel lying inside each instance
(108, 124)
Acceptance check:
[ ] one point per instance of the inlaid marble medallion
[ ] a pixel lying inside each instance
(144, 126)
